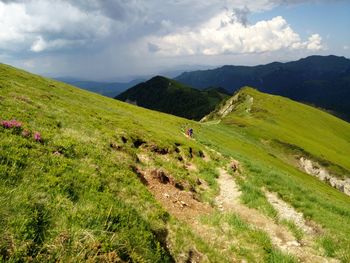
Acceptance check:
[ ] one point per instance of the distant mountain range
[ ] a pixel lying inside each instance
(169, 96)
(323, 81)
(109, 89)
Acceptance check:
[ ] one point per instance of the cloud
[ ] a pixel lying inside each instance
(153, 48)
(240, 15)
(223, 34)
(39, 25)
(315, 42)
(78, 36)
(40, 44)
(44, 25)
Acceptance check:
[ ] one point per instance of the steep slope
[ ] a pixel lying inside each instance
(88, 178)
(320, 80)
(172, 97)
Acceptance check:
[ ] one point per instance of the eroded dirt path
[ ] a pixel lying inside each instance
(183, 205)
(287, 212)
(281, 237)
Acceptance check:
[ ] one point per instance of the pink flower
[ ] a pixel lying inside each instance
(16, 124)
(11, 124)
(5, 124)
(37, 136)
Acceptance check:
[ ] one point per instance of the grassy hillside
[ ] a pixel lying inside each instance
(267, 133)
(88, 178)
(172, 97)
(278, 121)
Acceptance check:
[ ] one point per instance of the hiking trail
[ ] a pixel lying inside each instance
(281, 237)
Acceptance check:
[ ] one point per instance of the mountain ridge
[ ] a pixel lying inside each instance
(169, 96)
(320, 80)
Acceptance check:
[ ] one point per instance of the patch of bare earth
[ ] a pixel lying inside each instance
(172, 195)
(281, 237)
(183, 205)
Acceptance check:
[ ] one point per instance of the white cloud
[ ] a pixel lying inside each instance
(222, 34)
(24, 25)
(39, 45)
(39, 25)
(315, 42)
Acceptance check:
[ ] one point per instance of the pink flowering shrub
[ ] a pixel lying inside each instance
(11, 124)
(18, 127)
(37, 136)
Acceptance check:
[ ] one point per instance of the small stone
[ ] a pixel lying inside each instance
(293, 243)
(183, 203)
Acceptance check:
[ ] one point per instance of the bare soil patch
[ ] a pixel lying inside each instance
(173, 196)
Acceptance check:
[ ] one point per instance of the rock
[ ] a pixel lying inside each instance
(183, 203)
(179, 186)
(293, 243)
(161, 176)
(321, 173)
(234, 165)
(115, 146)
(347, 188)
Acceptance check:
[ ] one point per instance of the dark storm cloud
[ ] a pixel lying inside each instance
(153, 48)
(240, 15)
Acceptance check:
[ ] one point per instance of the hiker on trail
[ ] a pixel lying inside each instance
(190, 132)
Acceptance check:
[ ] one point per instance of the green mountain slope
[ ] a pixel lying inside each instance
(323, 81)
(88, 178)
(169, 96)
(282, 120)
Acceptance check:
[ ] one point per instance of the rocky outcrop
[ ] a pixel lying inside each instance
(230, 105)
(321, 173)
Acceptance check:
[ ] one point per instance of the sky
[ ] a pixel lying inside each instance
(121, 39)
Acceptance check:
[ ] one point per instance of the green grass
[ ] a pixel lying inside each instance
(253, 197)
(297, 232)
(246, 242)
(289, 124)
(74, 196)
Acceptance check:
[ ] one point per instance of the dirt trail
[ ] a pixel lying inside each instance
(183, 205)
(281, 237)
(287, 212)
